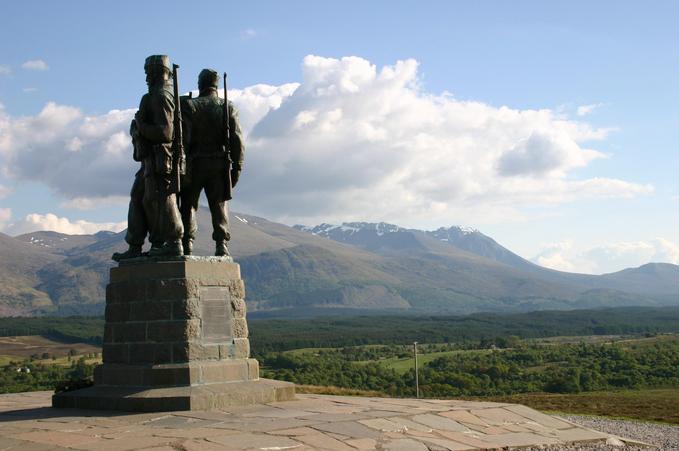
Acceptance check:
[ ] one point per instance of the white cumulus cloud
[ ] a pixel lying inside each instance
(355, 141)
(74, 154)
(37, 65)
(87, 159)
(5, 70)
(607, 257)
(541, 154)
(349, 141)
(558, 256)
(36, 222)
(584, 110)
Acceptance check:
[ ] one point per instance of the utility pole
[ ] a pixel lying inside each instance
(417, 380)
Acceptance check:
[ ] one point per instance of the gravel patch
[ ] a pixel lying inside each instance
(664, 436)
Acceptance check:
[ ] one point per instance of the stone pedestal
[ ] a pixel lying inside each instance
(176, 338)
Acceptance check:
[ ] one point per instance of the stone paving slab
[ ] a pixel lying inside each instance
(311, 422)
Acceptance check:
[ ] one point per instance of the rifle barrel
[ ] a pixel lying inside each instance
(178, 138)
(226, 113)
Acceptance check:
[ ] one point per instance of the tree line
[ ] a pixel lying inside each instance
(557, 368)
(330, 332)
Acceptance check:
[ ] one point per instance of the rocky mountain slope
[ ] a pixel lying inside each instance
(353, 267)
(657, 279)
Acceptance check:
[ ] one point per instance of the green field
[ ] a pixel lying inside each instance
(6, 359)
(40, 348)
(402, 365)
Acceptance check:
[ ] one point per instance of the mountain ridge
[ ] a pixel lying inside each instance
(462, 238)
(343, 269)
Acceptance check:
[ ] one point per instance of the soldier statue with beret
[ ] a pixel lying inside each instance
(153, 133)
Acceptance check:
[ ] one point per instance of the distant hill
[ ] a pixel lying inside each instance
(339, 269)
(56, 242)
(19, 280)
(388, 238)
(659, 280)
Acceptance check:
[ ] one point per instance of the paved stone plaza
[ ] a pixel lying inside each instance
(310, 422)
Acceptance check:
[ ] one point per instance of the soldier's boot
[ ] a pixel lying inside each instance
(221, 250)
(155, 248)
(188, 247)
(168, 250)
(132, 252)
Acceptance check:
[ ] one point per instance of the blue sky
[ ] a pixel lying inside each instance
(617, 57)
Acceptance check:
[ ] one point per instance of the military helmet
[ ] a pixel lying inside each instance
(208, 78)
(158, 60)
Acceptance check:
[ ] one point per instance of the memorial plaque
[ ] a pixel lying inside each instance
(217, 315)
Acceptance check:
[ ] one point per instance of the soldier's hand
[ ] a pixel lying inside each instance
(138, 122)
(235, 175)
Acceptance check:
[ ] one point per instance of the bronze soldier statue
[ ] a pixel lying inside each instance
(214, 162)
(154, 123)
(139, 216)
(142, 210)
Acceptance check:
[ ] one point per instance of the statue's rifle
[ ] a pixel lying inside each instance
(178, 138)
(227, 139)
(227, 130)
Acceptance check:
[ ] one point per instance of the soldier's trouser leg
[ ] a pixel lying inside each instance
(190, 196)
(151, 209)
(167, 224)
(168, 213)
(155, 237)
(215, 191)
(137, 224)
(175, 230)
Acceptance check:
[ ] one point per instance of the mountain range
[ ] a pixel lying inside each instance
(332, 269)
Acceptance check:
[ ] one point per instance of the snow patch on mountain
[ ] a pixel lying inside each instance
(377, 237)
(350, 228)
(382, 228)
(38, 242)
